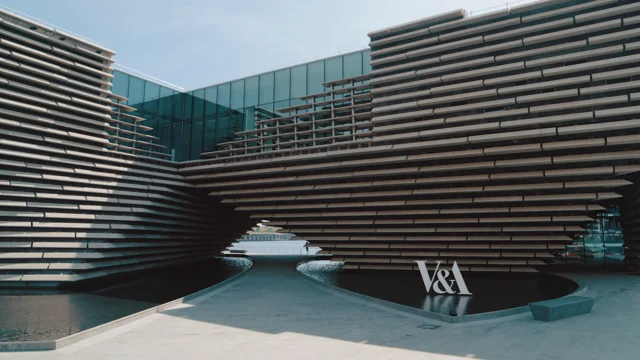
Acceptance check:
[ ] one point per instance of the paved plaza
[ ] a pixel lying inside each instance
(273, 312)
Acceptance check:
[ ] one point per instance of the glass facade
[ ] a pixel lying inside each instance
(161, 106)
(602, 244)
(196, 121)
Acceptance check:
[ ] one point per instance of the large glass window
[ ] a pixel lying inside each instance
(150, 107)
(198, 103)
(249, 118)
(266, 112)
(166, 101)
(223, 122)
(613, 239)
(176, 131)
(197, 126)
(209, 142)
(136, 91)
(188, 103)
(366, 58)
(151, 91)
(211, 98)
(251, 91)
(333, 69)
(281, 104)
(120, 83)
(237, 94)
(223, 134)
(266, 88)
(601, 244)
(224, 98)
(353, 65)
(187, 120)
(151, 96)
(298, 84)
(165, 116)
(185, 154)
(210, 108)
(315, 78)
(237, 122)
(283, 78)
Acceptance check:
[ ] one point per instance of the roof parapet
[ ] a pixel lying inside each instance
(425, 22)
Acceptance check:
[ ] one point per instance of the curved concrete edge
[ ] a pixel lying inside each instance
(193, 298)
(27, 346)
(582, 288)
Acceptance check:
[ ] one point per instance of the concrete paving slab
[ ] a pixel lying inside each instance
(274, 313)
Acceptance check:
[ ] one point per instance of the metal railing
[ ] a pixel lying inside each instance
(144, 76)
(259, 250)
(52, 26)
(506, 5)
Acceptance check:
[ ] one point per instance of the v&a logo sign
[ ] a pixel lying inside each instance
(443, 285)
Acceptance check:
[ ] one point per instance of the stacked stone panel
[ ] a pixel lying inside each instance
(496, 139)
(489, 140)
(84, 193)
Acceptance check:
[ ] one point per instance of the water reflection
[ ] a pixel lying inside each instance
(438, 303)
(491, 291)
(48, 315)
(602, 244)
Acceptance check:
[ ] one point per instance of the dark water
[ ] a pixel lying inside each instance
(46, 315)
(491, 291)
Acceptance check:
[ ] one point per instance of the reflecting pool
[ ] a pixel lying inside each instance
(491, 291)
(30, 315)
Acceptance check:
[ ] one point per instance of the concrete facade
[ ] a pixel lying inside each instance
(490, 140)
(83, 193)
(495, 140)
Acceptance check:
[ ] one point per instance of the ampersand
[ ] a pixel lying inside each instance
(441, 285)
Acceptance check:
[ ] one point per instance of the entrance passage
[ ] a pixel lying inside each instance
(289, 247)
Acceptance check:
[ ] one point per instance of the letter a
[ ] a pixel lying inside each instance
(458, 276)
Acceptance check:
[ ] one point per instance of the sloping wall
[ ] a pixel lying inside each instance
(496, 139)
(81, 195)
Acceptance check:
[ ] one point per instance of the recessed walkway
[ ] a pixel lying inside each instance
(274, 313)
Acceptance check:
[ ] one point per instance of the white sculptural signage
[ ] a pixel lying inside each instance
(440, 282)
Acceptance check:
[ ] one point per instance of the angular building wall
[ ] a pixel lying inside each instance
(82, 194)
(490, 140)
(493, 141)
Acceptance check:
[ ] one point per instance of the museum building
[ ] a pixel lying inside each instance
(504, 141)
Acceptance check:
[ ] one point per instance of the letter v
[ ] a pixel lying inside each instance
(428, 281)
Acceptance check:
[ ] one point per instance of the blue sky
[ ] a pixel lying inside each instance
(194, 43)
